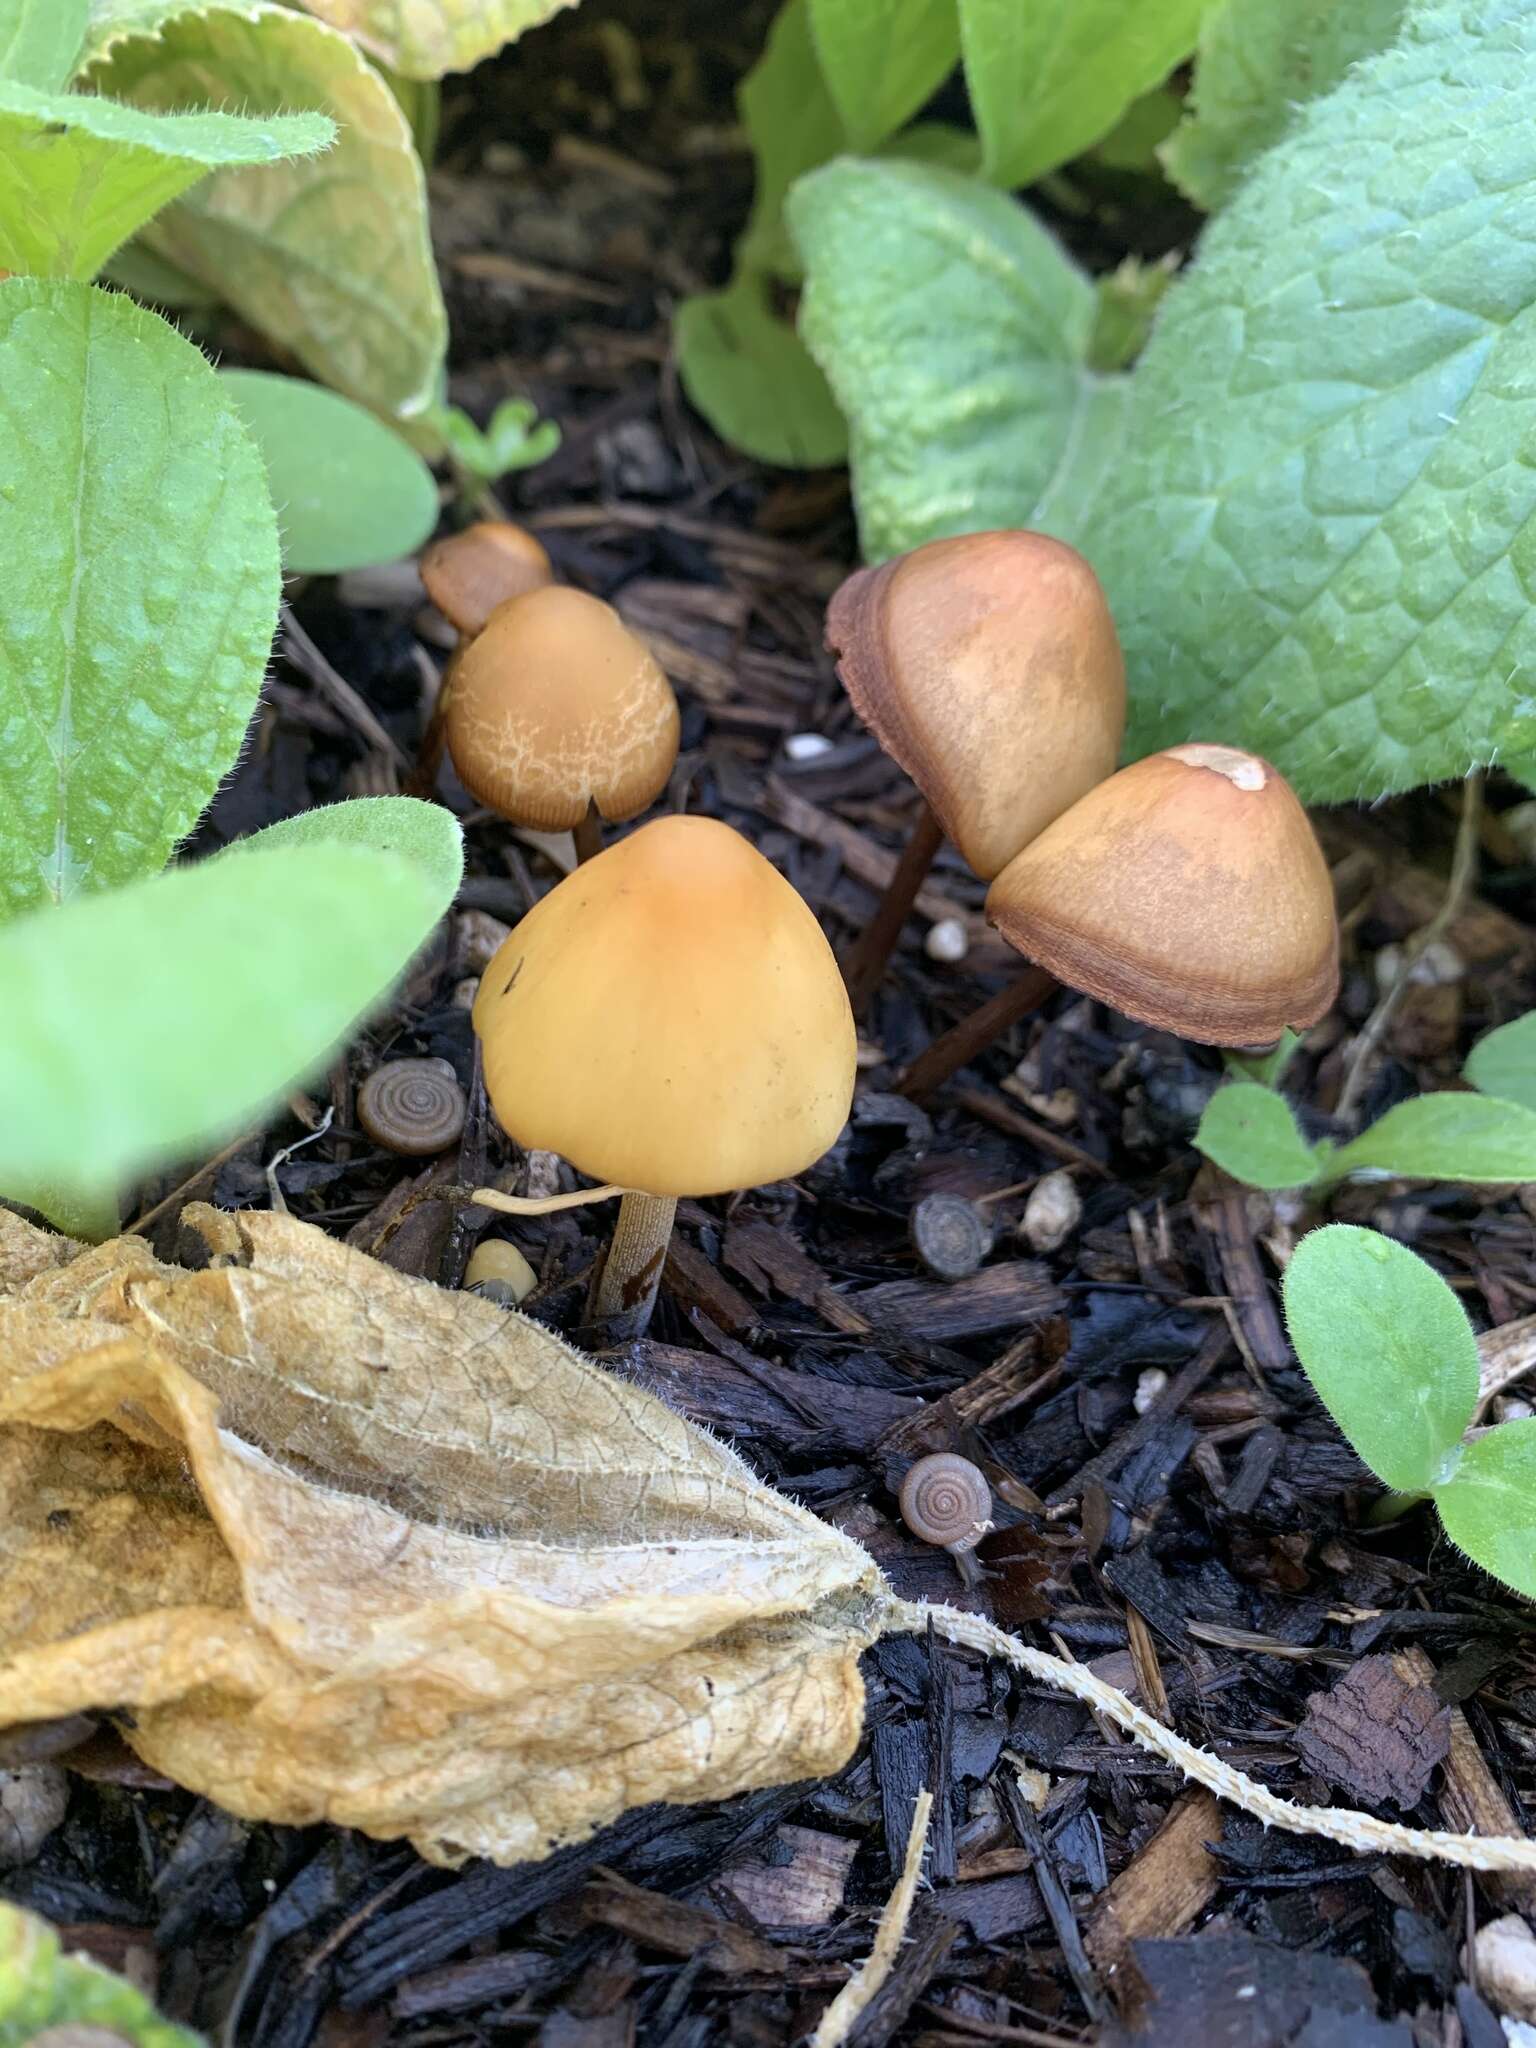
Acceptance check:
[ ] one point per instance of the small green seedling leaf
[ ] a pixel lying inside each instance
(515, 438)
(1260, 60)
(748, 372)
(1504, 1063)
(1446, 1136)
(329, 256)
(954, 334)
(1388, 1348)
(47, 1994)
(83, 174)
(1489, 1506)
(1250, 1132)
(424, 834)
(882, 58)
(347, 491)
(1048, 78)
(40, 41)
(263, 962)
(425, 38)
(140, 590)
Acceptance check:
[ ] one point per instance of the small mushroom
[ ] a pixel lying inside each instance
(468, 574)
(1189, 892)
(558, 714)
(671, 1020)
(414, 1107)
(498, 1272)
(945, 1500)
(988, 668)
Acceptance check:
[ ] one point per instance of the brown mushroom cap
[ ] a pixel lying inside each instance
(1189, 891)
(670, 1018)
(468, 574)
(988, 667)
(557, 705)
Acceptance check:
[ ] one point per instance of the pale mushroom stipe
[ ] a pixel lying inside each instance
(669, 1019)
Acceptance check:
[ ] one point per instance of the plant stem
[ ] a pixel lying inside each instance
(422, 780)
(865, 963)
(588, 836)
(626, 1292)
(972, 1035)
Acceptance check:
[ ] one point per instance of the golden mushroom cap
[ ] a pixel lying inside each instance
(468, 574)
(988, 667)
(557, 705)
(1188, 891)
(670, 1018)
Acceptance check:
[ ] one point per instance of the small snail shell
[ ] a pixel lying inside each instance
(946, 1500)
(412, 1106)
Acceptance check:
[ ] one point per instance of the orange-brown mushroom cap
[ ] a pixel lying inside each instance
(468, 574)
(670, 1018)
(557, 705)
(1188, 891)
(989, 668)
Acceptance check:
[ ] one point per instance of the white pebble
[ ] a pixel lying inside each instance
(947, 940)
(477, 939)
(1506, 1966)
(1148, 1387)
(1052, 1213)
(1437, 966)
(806, 746)
(1510, 1408)
(33, 1800)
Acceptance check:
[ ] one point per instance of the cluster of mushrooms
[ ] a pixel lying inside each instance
(670, 1018)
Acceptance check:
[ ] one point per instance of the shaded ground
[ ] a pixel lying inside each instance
(1198, 1538)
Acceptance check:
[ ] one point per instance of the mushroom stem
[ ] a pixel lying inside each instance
(972, 1035)
(588, 836)
(865, 962)
(422, 780)
(626, 1292)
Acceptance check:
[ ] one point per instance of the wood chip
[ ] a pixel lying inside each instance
(799, 1881)
(1378, 1735)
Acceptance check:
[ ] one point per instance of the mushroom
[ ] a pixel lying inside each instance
(986, 666)
(558, 714)
(498, 1272)
(1189, 892)
(670, 1019)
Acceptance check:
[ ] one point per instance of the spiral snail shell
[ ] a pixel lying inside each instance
(412, 1106)
(946, 1500)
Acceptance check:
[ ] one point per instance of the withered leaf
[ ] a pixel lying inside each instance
(352, 1547)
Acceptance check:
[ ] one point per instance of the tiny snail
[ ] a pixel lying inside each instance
(946, 1500)
(412, 1106)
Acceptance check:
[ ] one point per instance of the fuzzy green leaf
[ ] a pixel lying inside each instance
(425, 38)
(793, 124)
(330, 257)
(1320, 538)
(954, 334)
(1250, 1132)
(40, 41)
(1259, 61)
(1388, 1348)
(44, 1992)
(1489, 1506)
(882, 58)
(753, 379)
(263, 962)
(140, 590)
(1447, 1136)
(402, 826)
(348, 491)
(83, 174)
(1504, 1063)
(1049, 77)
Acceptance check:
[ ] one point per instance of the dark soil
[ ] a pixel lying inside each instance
(1212, 1551)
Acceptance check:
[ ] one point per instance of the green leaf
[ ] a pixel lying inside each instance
(1388, 1348)
(882, 59)
(1489, 1507)
(954, 334)
(1250, 1132)
(1264, 1067)
(1320, 539)
(425, 38)
(793, 125)
(1259, 61)
(140, 589)
(263, 960)
(753, 379)
(424, 834)
(45, 1992)
(83, 174)
(40, 41)
(1504, 1063)
(1448, 1136)
(329, 257)
(348, 492)
(1048, 78)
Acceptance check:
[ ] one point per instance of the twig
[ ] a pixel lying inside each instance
(1463, 874)
(298, 648)
(840, 2017)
